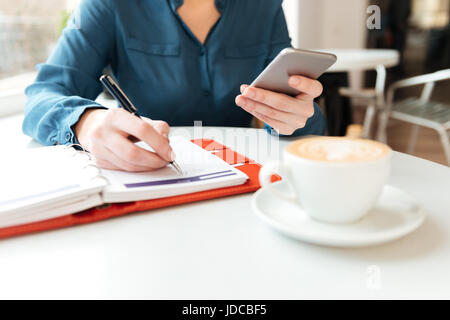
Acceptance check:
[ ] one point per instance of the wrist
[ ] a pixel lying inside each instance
(85, 123)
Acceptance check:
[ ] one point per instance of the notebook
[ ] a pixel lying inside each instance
(58, 181)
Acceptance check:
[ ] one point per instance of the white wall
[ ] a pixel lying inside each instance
(322, 24)
(344, 23)
(327, 23)
(291, 11)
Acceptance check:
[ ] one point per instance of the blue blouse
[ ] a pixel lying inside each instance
(166, 71)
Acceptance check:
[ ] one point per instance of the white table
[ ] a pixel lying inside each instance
(220, 249)
(363, 59)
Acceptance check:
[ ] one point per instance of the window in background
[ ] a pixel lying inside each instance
(430, 14)
(29, 30)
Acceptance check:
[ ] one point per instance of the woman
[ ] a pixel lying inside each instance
(179, 61)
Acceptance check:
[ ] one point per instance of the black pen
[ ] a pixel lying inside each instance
(113, 88)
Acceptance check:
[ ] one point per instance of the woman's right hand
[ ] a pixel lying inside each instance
(106, 134)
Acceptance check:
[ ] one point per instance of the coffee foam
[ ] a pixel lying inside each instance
(338, 149)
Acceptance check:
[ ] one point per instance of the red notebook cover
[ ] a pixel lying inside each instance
(249, 167)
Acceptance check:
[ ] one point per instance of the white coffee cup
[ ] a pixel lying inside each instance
(333, 179)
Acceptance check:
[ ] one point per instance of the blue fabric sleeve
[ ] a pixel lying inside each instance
(316, 125)
(54, 103)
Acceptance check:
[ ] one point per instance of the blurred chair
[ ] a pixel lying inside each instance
(419, 111)
(370, 98)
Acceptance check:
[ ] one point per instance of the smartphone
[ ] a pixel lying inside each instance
(291, 62)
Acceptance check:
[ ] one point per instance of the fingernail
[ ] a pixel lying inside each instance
(249, 93)
(294, 80)
(173, 156)
(165, 135)
(239, 101)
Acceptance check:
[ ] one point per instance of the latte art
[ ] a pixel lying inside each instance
(338, 149)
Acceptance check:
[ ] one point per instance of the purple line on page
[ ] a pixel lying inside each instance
(203, 177)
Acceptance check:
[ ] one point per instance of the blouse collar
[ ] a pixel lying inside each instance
(175, 4)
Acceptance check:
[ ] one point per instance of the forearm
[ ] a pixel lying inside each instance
(67, 84)
(51, 113)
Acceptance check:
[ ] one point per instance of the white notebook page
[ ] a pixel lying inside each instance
(199, 167)
(36, 176)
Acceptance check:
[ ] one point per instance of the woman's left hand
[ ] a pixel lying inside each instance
(282, 112)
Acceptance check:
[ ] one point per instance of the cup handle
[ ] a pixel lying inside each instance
(265, 175)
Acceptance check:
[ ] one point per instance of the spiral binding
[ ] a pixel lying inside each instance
(81, 151)
(76, 146)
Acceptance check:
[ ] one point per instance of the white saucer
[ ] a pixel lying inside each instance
(394, 216)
